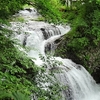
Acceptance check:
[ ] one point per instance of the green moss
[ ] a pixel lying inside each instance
(18, 19)
(25, 6)
(40, 19)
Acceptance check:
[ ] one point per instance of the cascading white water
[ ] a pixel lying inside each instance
(39, 37)
(81, 84)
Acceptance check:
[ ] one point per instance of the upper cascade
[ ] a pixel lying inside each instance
(28, 13)
(50, 31)
(36, 35)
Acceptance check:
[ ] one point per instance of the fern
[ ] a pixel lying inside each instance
(19, 96)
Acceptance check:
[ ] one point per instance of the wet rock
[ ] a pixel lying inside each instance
(24, 41)
(48, 47)
(44, 33)
(30, 10)
(78, 67)
(50, 31)
(96, 75)
(58, 41)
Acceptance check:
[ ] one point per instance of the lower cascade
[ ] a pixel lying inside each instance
(39, 37)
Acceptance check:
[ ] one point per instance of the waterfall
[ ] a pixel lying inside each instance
(39, 37)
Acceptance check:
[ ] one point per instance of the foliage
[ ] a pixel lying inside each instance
(13, 95)
(78, 44)
(50, 83)
(82, 43)
(14, 68)
(8, 8)
(26, 6)
(50, 10)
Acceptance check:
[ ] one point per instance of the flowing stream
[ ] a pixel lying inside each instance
(39, 37)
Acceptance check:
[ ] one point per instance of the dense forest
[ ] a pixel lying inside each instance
(82, 44)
